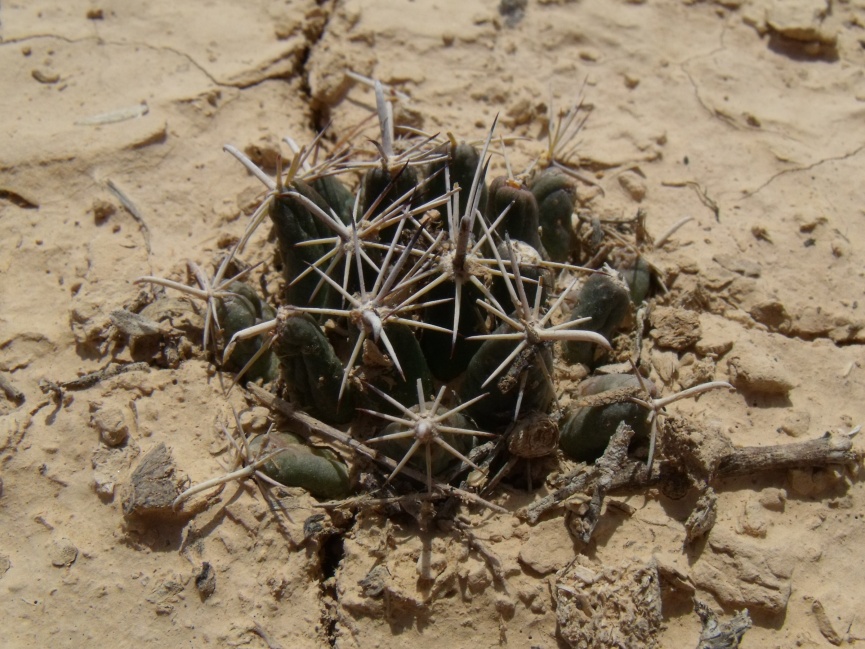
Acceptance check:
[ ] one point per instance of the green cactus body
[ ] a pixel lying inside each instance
(530, 269)
(586, 431)
(377, 184)
(462, 165)
(295, 224)
(523, 220)
(441, 459)
(498, 408)
(606, 301)
(311, 370)
(554, 193)
(414, 365)
(336, 195)
(638, 277)
(318, 470)
(235, 312)
(446, 360)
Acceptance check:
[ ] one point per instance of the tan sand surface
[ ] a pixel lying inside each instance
(747, 115)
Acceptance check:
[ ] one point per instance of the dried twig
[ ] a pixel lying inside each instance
(134, 212)
(721, 635)
(828, 450)
(613, 459)
(91, 379)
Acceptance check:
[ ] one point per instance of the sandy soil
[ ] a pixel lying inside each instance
(746, 115)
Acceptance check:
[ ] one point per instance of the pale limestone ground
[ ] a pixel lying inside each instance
(694, 104)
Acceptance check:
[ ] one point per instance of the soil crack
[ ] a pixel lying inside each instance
(813, 165)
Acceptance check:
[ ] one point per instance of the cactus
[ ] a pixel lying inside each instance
(424, 270)
(294, 464)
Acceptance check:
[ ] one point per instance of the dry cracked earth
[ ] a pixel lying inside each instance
(746, 115)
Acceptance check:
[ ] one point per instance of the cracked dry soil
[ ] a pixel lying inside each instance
(745, 114)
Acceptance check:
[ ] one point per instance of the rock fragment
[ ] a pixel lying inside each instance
(753, 370)
(738, 571)
(153, 487)
(771, 313)
(801, 20)
(110, 422)
(548, 548)
(674, 328)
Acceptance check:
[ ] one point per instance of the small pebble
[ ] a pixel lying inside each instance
(773, 499)
(102, 210)
(205, 581)
(548, 549)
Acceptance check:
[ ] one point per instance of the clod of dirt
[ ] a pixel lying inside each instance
(205, 581)
(153, 487)
(617, 607)
(744, 573)
(771, 313)
(752, 370)
(63, 554)
(810, 483)
(696, 371)
(634, 185)
(108, 465)
(548, 548)
(753, 521)
(110, 422)
(801, 20)
(773, 499)
(716, 339)
(166, 594)
(675, 328)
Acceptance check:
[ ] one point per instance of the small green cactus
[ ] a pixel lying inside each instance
(586, 430)
(425, 280)
(295, 464)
